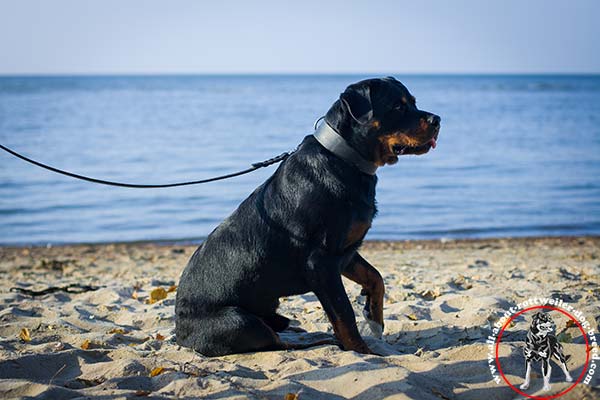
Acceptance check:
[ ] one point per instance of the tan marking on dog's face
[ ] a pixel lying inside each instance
(386, 146)
(384, 153)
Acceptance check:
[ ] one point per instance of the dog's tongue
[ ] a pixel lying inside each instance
(433, 143)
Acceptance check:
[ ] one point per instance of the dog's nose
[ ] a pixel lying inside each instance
(433, 120)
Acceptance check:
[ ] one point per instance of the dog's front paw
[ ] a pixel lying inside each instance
(546, 388)
(568, 378)
(360, 348)
(524, 386)
(375, 327)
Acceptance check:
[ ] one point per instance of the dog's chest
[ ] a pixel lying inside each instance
(362, 216)
(539, 344)
(357, 232)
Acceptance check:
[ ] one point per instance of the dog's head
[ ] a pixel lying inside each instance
(379, 118)
(542, 324)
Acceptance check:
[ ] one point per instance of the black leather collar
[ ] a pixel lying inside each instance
(335, 143)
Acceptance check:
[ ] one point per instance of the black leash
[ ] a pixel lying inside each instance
(254, 167)
(72, 288)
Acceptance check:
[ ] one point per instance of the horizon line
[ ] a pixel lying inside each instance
(265, 74)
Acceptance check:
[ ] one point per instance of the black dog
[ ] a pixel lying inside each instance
(300, 230)
(542, 345)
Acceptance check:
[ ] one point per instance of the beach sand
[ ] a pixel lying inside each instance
(442, 299)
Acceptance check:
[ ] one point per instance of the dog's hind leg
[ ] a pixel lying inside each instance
(546, 370)
(228, 330)
(557, 352)
(525, 385)
(277, 322)
(568, 377)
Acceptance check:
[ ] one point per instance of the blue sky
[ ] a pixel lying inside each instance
(177, 36)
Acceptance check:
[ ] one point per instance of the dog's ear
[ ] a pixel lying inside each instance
(357, 101)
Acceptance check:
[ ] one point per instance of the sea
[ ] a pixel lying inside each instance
(517, 155)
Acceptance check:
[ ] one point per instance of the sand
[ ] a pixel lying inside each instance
(441, 302)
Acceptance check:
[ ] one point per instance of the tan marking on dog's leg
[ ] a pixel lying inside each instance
(363, 273)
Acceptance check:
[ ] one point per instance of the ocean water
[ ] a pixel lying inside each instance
(516, 156)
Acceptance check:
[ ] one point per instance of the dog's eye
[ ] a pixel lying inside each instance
(400, 108)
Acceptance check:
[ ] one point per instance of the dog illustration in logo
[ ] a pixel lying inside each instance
(542, 345)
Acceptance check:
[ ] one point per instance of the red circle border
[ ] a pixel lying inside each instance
(587, 353)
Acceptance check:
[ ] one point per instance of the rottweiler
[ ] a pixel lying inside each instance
(541, 345)
(300, 230)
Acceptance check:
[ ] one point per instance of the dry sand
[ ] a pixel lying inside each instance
(442, 298)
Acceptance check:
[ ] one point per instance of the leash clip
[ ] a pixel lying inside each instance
(273, 160)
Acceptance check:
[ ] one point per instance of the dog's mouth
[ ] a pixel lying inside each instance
(399, 149)
(397, 144)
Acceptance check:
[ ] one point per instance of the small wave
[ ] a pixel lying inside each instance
(47, 209)
(583, 186)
